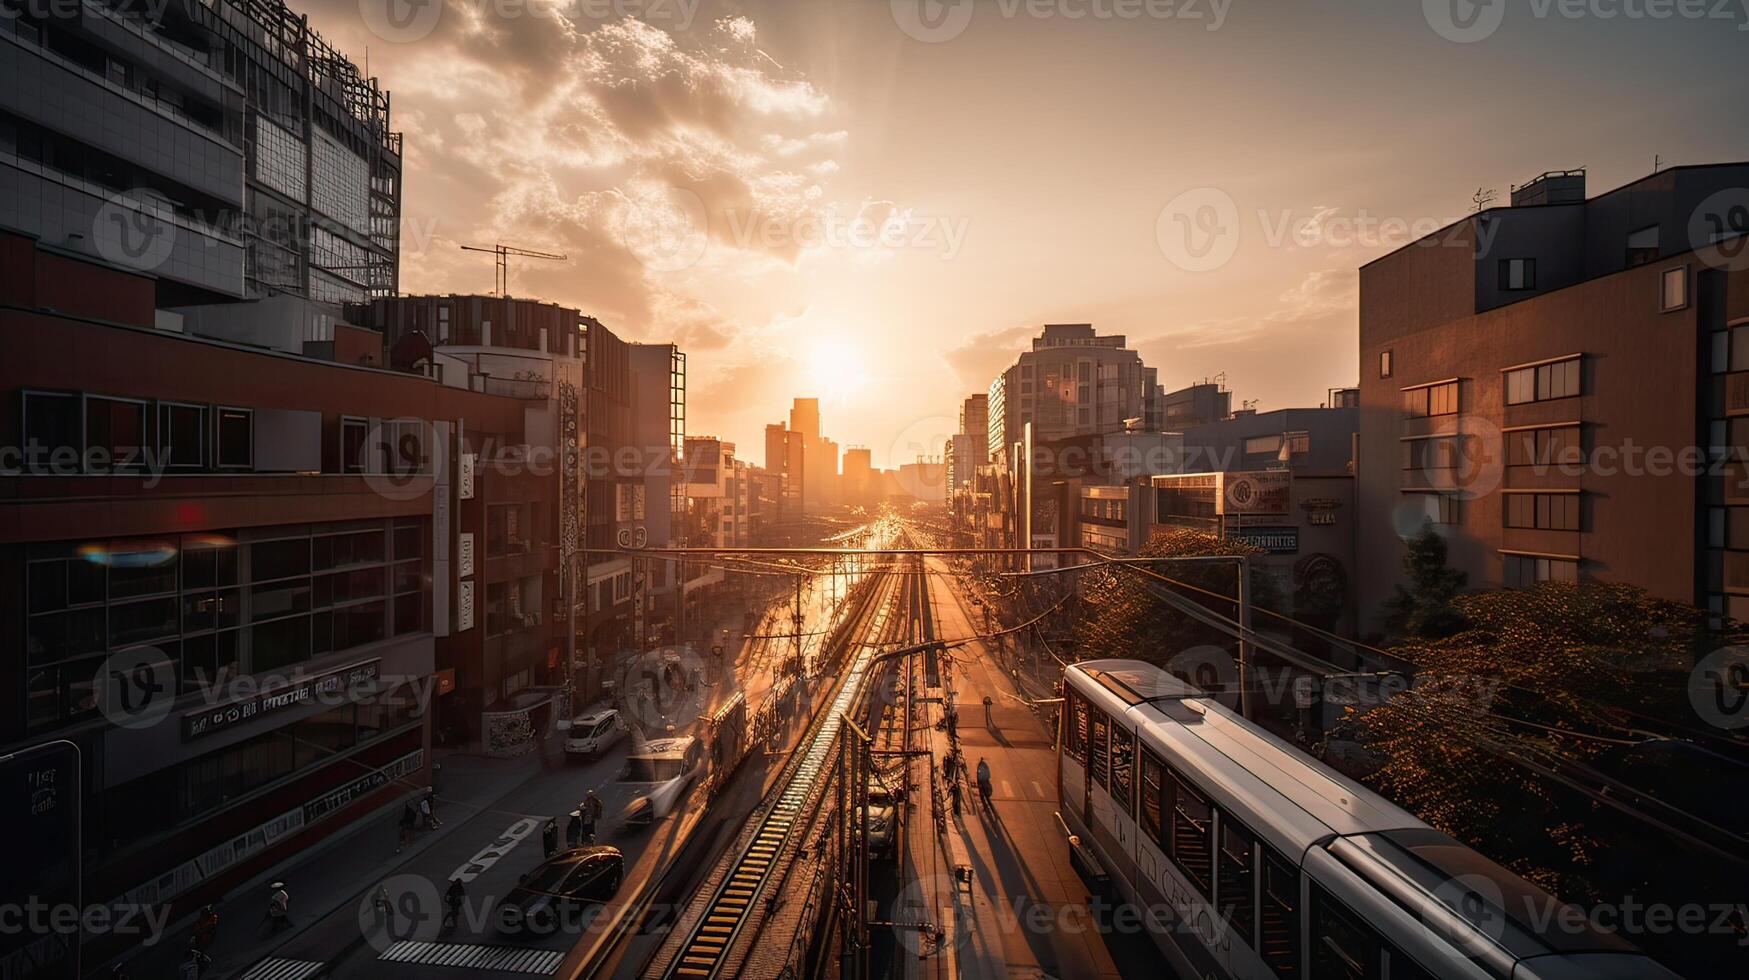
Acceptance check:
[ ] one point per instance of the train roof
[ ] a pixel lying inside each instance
(1249, 764)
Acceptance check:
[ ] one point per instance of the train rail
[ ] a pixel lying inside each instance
(734, 912)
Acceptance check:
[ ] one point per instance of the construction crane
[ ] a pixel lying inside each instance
(502, 281)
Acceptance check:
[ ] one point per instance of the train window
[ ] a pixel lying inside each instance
(1279, 942)
(1236, 878)
(1097, 748)
(1123, 752)
(1343, 947)
(1192, 833)
(1153, 771)
(1077, 740)
(1398, 966)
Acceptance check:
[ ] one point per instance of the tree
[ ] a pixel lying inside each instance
(1425, 609)
(1127, 618)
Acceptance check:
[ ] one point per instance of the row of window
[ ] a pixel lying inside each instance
(1543, 511)
(1523, 571)
(1253, 887)
(72, 433)
(1431, 400)
(1541, 382)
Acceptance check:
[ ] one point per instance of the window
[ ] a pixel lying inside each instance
(1441, 508)
(1153, 775)
(1123, 750)
(1543, 511)
(51, 433)
(1544, 447)
(115, 433)
(1431, 400)
(182, 435)
(1523, 571)
(1674, 289)
(404, 452)
(1642, 246)
(236, 438)
(1263, 444)
(1517, 274)
(1098, 750)
(1385, 363)
(1299, 443)
(1076, 740)
(1191, 832)
(1236, 874)
(1542, 382)
(1343, 946)
(1278, 937)
(353, 435)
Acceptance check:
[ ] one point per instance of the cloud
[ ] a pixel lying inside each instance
(614, 142)
(977, 361)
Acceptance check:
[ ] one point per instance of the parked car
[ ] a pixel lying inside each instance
(595, 732)
(565, 882)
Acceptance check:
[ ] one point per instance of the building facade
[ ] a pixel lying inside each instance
(1554, 386)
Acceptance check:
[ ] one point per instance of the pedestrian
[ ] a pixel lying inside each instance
(988, 702)
(205, 928)
(984, 780)
(592, 808)
(452, 900)
(279, 905)
(574, 828)
(428, 806)
(195, 963)
(385, 910)
(407, 822)
(550, 837)
(953, 790)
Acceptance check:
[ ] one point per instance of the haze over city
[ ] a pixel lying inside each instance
(1024, 160)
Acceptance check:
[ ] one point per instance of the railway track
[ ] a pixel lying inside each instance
(735, 911)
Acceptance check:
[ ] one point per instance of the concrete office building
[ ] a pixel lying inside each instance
(1072, 382)
(1533, 376)
(224, 148)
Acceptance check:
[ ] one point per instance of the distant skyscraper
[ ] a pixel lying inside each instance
(805, 418)
(1073, 382)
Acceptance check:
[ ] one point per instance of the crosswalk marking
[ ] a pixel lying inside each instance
(510, 959)
(1040, 790)
(277, 968)
(1007, 790)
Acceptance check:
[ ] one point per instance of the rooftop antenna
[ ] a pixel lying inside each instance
(1657, 161)
(1480, 200)
(501, 282)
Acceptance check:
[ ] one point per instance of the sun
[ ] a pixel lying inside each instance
(835, 368)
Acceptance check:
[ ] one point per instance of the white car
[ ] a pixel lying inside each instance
(660, 776)
(593, 733)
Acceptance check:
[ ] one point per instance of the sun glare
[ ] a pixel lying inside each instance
(835, 368)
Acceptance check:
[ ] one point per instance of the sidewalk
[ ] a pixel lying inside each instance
(334, 872)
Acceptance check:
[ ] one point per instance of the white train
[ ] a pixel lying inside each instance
(1247, 859)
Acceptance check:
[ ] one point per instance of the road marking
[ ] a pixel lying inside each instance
(1007, 790)
(491, 853)
(513, 959)
(275, 968)
(1040, 790)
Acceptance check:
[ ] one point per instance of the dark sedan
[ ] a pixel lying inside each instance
(564, 885)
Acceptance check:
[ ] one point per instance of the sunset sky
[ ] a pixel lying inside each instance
(890, 216)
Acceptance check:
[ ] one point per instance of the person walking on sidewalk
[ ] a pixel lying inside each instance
(408, 821)
(428, 809)
(984, 781)
(988, 721)
(574, 828)
(278, 906)
(953, 792)
(549, 837)
(452, 902)
(385, 910)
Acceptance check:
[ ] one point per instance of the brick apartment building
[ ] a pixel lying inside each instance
(214, 511)
(1534, 376)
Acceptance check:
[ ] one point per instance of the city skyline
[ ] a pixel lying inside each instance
(787, 129)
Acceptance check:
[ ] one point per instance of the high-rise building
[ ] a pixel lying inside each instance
(1534, 377)
(223, 147)
(1072, 382)
(804, 417)
(858, 476)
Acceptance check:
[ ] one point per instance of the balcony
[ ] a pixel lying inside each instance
(528, 389)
